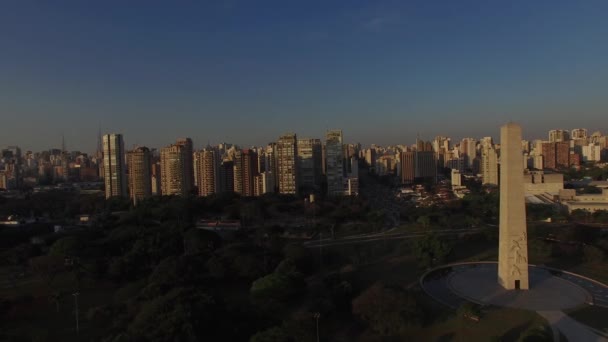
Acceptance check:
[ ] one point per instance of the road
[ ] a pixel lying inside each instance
(364, 238)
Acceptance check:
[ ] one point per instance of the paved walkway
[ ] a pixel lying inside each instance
(573, 330)
(551, 291)
(547, 292)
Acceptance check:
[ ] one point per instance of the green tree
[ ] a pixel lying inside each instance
(183, 314)
(70, 246)
(275, 285)
(431, 250)
(424, 221)
(199, 241)
(593, 254)
(388, 310)
(48, 266)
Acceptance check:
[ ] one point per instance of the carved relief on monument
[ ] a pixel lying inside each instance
(515, 270)
(517, 244)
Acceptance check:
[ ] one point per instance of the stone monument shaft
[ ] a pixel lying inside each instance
(513, 239)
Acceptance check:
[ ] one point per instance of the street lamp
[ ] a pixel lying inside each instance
(317, 315)
(75, 294)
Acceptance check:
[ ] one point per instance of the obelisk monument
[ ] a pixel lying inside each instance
(513, 238)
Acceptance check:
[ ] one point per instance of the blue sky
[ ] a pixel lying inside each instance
(247, 71)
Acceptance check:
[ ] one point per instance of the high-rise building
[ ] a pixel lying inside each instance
(549, 156)
(456, 178)
(558, 135)
(227, 176)
(140, 180)
(208, 171)
(556, 155)
(3, 181)
(426, 165)
(579, 133)
(263, 183)
(270, 165)
(309, 163)
(287, 164)
(114, 165)
(441, 144)
(370, 157)
(245, 170)
(334, 162)
(591, 152)
(417, 166)
(238, 172)
(156, 178)
(489, 165)
(173, 171)
(188, 162)
(468, 151)
(562, 154)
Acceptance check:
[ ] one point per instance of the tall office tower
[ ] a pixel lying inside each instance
(408, 167)
(420, 145)
(261, 161)
(426, 165)
(270, 163)
(370, 157)
(309, 163)
(513, 240)
(245, 170)
(525, 146)
(558, 135)
(114, 165)
(468, 151)
(579, 133)
(140, 180)
(562, 154)
(489, 165)
(287, 163)
(238, 172)
(227, 176)
(208, 171)
(196, 163)
(324, 160)
(188, 163)
(418, 166)
(156, 187)
(263, 183)
(11, 174)
(485, 141)
(549, 155)
(173, 170)
(334, 163)
(441, 144)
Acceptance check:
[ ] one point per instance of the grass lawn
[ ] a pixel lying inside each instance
(593, 316)
(493, 324)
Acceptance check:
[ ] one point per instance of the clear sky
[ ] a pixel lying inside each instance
(247, 71)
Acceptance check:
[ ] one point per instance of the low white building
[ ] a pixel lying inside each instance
(589, 202)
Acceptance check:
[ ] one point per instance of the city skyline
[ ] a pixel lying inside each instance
(245, 73)
(203, 144)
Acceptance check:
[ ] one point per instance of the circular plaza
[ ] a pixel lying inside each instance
(550, 289)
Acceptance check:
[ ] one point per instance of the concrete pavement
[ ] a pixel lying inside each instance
(573, 330)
